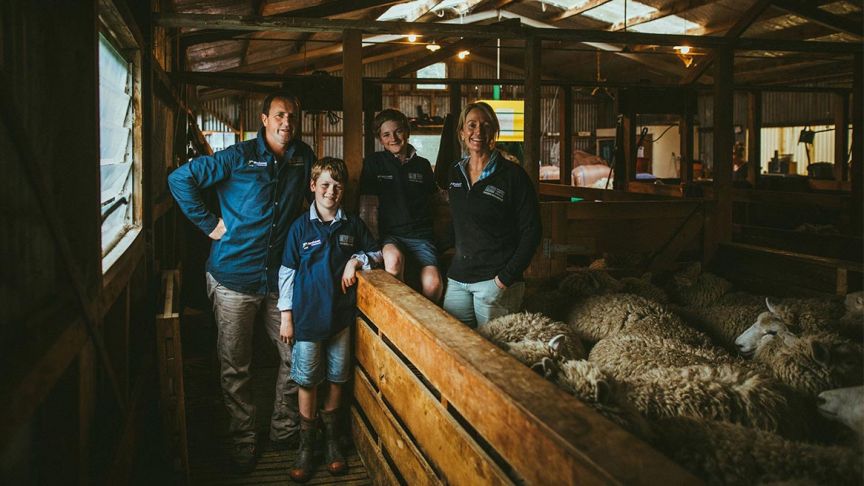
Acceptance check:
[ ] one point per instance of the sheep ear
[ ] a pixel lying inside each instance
(556, 343)
(821, 352)
(771, 308)
(539, 368)
(603, 391)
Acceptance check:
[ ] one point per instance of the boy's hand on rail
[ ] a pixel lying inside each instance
(349, 276)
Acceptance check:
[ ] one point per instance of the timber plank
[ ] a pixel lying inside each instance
(445, 442)
(529, 421)
(641, 210)
(376, 465)
(410, 461)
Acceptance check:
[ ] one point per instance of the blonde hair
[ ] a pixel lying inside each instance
(490, 114)
(336, 167)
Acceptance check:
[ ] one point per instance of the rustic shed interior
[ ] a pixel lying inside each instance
(631, 112)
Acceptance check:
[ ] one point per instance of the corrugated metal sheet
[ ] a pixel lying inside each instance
(778, 109)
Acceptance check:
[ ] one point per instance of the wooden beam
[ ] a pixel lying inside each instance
(857, 168)
(734, 33)
(754, 137)
(819, 16)
(723, 140)
(591, 4)
(673, 8)
(532, 130)
(565, 136)
(293, 24)
(685, 131)
(352, 112)
(841, 135)
(446, 51)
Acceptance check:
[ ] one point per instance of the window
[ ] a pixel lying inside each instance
(119, 146)
(433, 71)
(795, 155)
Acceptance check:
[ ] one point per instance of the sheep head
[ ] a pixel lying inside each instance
(855, 304)
(841, 357)
(845, 405)
(767, 324)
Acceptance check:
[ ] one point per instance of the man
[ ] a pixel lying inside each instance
(260, 186)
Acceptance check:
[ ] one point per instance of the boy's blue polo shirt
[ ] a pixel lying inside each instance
(258, 196)
(318, 252)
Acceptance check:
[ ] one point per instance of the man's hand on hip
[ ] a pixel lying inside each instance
(219, 231)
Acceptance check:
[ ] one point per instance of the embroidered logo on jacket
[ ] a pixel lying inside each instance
(455, 185)
(494, 192)
(257, 163)
(296, 160)
(415, 177)
(385, 177)
(346, 240)
(310, 244)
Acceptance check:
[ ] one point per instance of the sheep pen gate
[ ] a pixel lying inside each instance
(435, 403)
(659, 230)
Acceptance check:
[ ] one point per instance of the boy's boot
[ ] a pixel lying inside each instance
(301, 471)
(332, 457)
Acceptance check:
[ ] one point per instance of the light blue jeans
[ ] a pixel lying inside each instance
(235, 318)
(477, 303)
(308, 368)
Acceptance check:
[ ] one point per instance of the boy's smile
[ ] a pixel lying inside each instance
(394, 137)
(328, 195)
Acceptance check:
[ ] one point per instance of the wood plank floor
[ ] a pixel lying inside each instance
(209, 442)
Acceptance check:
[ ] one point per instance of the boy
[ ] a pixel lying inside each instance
(323, 251)
(405, 185)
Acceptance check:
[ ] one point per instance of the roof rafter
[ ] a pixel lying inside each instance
(674, 8)
(576, 11)
(735, 32)
(819, 16)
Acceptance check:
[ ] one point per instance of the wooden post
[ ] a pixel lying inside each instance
(841, 135)
(625, 160)
(723, 140)
(754, 136)
(532, 110)
(565, 141)
(685, 129)
(352, 112)
(857, 143)
(368, 132)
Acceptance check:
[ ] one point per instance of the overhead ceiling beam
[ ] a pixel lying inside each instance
(445, 52)
(327, 9)
(734, 33)
(576, 11)
(674, 8)
(291, 24)
(821, 17)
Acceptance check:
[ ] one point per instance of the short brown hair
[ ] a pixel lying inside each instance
(390, 115)
(490, 113)
(265, 106)
(336, 167)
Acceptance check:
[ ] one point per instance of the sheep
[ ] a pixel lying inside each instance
(845, 405)
(811, 364)
(724, 323)
(588, 383)
(727, 453)
(724, 392)
(588, 282)
(692, 287)
(534, 353)
(596, 317)
(508, 330)
(627, 355)
(550, 303)
(642, 286)
(851, 324)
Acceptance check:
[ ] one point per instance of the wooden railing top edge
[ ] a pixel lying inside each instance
(832, 262)
(570, 427)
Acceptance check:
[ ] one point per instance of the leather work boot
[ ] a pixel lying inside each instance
(302, 470)
(334, 460)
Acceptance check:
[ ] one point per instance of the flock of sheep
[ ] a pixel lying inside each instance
(737, 388)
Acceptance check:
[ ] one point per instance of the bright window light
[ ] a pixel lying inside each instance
(437, 70)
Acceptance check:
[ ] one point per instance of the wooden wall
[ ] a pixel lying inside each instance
(77, 344)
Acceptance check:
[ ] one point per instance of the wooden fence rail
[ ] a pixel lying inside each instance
(437, 403)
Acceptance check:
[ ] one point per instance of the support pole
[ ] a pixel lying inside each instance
(352, 113)
(532, 110)
(841, 135)
(723, 141)
(857, 143)
(754, 137)
(565, 129)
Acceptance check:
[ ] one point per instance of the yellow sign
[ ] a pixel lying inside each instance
(511, 116)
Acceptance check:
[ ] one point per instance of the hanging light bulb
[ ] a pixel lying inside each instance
(433, 46)
(412, 37)
(463, 54)
(682, 49)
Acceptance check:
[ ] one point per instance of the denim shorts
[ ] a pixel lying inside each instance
(308, 368)
(420, 250)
